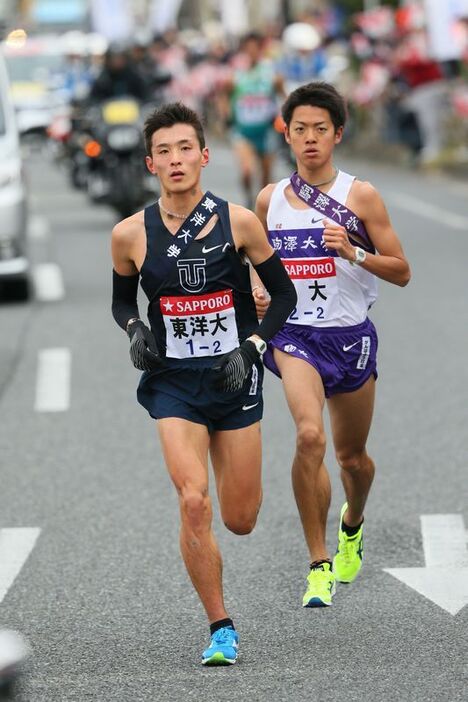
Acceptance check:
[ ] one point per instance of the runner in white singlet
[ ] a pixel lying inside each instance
(335, 239)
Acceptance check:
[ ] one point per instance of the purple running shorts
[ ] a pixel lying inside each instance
(345, 357)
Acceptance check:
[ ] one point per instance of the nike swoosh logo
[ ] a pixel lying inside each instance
(247, 407)
(207, 249)
(314, 221)
(346, 348)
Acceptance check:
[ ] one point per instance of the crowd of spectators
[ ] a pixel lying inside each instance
(381, 60)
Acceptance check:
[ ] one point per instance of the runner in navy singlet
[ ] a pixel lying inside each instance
(201, 358)
(335, 239)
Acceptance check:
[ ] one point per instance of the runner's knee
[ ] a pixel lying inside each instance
(195, 506)
(311, 441)
(351, 461)
(242, 525)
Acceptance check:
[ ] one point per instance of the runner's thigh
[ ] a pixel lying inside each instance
(303, 388)
(236, 456)
(185, 449)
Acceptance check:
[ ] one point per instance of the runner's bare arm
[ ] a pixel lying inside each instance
(391, 264)
(126, 236)
(249, 235)
(279, 86)
(260, 296)
(262, 204)
(227, 86)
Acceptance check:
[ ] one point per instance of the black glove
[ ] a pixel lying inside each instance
(143, 349)
(232, 370)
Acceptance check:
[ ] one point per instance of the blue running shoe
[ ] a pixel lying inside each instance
(223, 647)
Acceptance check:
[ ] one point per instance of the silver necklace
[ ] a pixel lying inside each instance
(325, 182)
(171, 214)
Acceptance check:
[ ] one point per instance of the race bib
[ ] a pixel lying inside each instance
(199, 325)
(254, 109)
(316, 287)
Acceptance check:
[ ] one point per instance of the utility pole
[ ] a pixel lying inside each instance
(286, 11)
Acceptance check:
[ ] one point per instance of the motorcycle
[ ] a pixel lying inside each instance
(109, 156)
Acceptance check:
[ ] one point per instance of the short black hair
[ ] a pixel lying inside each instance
(167, 116)
(252, 36)
(317, 94)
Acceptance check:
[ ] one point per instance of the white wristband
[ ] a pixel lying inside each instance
(359, 256)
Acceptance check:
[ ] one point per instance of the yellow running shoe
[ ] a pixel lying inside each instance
(320, 586)
(348, 558)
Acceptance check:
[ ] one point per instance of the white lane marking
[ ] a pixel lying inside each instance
(444, 580)
(15, 547)
(48, 282)
(53, 380)
(427, 210)
(39, 228)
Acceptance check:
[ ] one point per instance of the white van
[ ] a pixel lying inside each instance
(14, 264)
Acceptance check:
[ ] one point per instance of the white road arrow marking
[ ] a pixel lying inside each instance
(444, 580)
(15, 547)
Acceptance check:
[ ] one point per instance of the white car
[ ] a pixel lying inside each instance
(35, 68)
(14, 264)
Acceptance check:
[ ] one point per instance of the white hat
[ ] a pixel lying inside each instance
(301, 36)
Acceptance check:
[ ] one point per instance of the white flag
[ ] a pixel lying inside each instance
(234, 16)
(164, 14)
(441, 17)
(112, 18)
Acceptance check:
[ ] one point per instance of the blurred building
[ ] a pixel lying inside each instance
(45, 15)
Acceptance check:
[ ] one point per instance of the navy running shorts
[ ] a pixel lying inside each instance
(345, 357)
(187, 393)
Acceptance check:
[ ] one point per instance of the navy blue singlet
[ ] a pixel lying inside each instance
(208, 265)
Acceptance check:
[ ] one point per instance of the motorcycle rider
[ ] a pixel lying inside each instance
(118, 77)
(155, 77)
